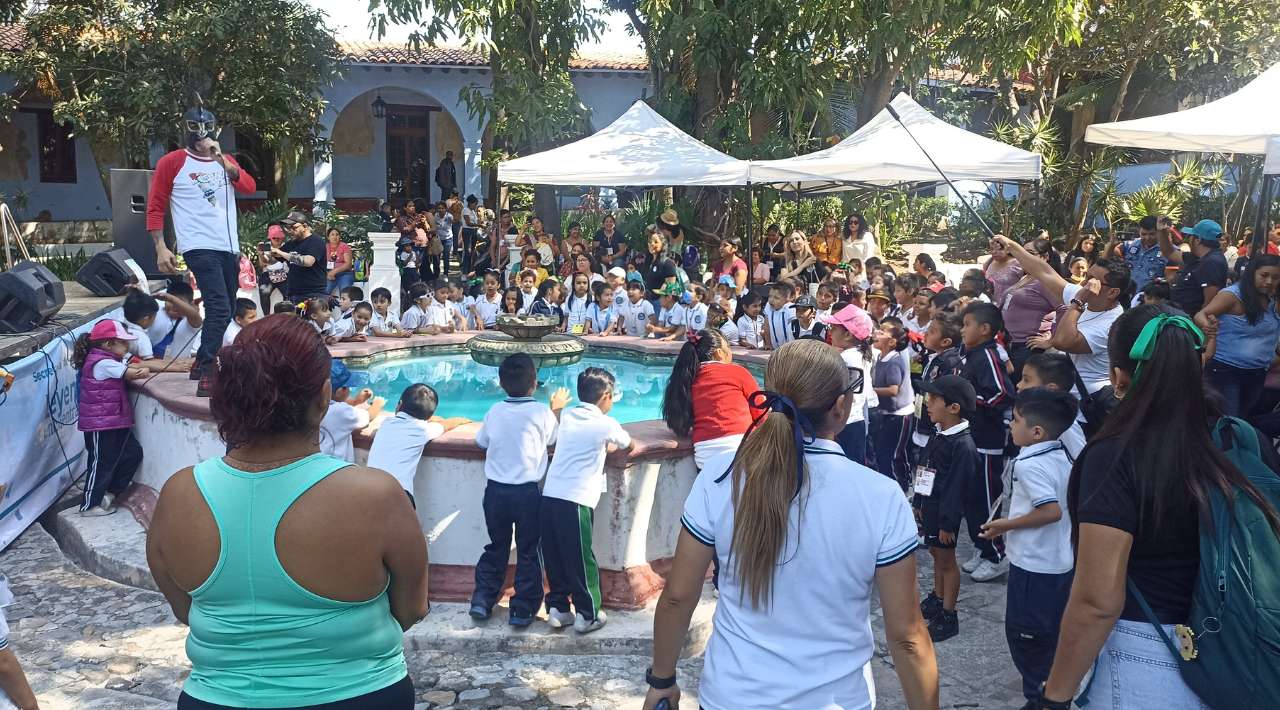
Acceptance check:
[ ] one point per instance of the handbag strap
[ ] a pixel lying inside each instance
(1152, 618)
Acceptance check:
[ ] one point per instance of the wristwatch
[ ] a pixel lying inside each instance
(658, 683)
(1077, 303)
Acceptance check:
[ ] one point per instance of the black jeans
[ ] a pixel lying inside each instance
(398, 696)
(217, 274)
(890, 435)
(508, 506)
(468, 248)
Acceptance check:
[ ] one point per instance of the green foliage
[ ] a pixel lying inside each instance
(805, 214)
(123, 72)
(355, 227)
(64, 264)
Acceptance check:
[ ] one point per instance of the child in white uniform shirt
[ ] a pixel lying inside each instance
(638, 312)
(177, 324)
(515, 435)
(695, 311)
(414, 319)
(750, 323)
(345, 417)
(778, 315)
(440, 314)
(385, 323)
(397, 447)
(1037, 533)
(246, 313)
(355, 329)
(574, 484)
(485, 308)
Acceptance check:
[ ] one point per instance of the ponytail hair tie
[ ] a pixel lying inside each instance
(1144, 348)
(801, 428)
(694, 338)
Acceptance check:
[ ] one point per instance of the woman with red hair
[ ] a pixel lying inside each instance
(297, 572)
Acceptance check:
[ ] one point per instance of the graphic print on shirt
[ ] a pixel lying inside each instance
(208, 184)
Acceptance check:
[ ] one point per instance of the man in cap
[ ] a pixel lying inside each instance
(305, 253)
(196, 184)
(1203, 270)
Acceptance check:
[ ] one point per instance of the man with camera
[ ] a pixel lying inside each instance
(197, 186)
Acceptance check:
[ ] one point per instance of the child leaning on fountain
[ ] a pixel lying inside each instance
(397, 447)
(569, 497)
(515, 435)
(346, 416)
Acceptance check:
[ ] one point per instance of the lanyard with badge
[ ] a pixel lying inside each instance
(925, 474)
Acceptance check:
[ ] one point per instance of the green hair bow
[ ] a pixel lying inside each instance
(1144, 348)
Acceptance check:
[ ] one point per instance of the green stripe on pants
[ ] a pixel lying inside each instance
(590, 571)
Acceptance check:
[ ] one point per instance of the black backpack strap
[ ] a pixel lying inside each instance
(1152, 619)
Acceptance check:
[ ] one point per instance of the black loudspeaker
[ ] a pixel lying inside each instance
(29, 295)
(108, 273)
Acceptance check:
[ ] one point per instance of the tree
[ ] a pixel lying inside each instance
(531, 103)
(122, 73)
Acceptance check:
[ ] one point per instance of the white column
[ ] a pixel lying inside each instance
(383, 271)
(323, 180)
(472, 152)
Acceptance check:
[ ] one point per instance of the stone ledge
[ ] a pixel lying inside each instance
(114, 547)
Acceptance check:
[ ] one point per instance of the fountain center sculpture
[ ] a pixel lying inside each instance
(532, 335)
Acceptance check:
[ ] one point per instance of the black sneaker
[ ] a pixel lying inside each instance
(944, 626)
(930, 607)
(196, 372)
(205, 386)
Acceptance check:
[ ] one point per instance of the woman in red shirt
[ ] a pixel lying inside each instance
(707, 396)
(340, 275)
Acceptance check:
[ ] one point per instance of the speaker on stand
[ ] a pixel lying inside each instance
(29, 295)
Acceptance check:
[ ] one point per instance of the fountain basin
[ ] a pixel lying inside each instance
(534, 336)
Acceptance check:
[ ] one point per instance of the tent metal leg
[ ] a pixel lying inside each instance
(751, 204)
(1261, 221)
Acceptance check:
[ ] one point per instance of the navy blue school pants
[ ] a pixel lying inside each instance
(1033, 613)
(853, 441)
(572, 573)
(890, 435)
(507, 507)
(980, 491)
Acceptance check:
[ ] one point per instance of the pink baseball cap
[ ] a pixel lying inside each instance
(275, 231)
(853, 319)
(110, 329)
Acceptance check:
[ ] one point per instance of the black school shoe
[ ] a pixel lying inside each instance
(944, 626)
(930, 607)
(205, 386)
(196, 372)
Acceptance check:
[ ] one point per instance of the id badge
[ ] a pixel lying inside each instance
(578, 329)
(924, 481)
(331, 264)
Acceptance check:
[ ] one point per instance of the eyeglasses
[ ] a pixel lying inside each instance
(856, 378)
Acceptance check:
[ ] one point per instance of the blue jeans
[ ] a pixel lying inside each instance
(1239, 387)
(1136, 670)
(217, 275)
(344, 280)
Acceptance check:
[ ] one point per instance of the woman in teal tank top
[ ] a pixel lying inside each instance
(297, 572)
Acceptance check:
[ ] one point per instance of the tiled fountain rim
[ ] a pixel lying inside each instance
(653, 440)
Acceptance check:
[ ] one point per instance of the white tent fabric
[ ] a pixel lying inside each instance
(1271, 164)
(1239, 123)
(640, 148)
(882, 153)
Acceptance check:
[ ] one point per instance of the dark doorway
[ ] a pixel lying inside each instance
(409, 152)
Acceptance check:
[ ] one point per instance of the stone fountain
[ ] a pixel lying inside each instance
(534, 336)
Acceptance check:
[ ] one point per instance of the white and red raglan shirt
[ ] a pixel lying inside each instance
(201, 198)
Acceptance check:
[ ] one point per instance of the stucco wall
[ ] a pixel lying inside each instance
(84, 199)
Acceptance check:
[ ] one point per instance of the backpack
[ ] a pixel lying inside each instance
(1235, 607)
(1094, 407)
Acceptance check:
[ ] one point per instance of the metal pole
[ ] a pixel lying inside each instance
(750, 229)
(1261, 221)
(954, 189)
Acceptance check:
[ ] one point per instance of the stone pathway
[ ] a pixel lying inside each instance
(87, 643)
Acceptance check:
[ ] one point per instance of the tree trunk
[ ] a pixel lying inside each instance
(877, 89)
(1117, 105)
(1008, 98)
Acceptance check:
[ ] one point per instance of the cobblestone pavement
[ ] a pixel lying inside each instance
(87, 643)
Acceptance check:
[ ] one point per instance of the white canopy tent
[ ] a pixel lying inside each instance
(883, 154)
(640, 148)
(1244, 122)
(1239, 123)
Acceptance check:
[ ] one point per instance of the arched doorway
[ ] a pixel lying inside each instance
(394, 157)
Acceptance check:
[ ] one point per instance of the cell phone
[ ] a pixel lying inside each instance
(264, 246)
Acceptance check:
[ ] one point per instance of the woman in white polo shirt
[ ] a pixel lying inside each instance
(810, 532)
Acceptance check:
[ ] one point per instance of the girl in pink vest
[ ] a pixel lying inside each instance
(106, 416)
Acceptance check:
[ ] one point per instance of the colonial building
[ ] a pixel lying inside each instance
(391, 118)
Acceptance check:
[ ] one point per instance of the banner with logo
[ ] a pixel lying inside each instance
(43, 452)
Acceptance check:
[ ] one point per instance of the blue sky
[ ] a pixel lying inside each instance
(351, 20)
